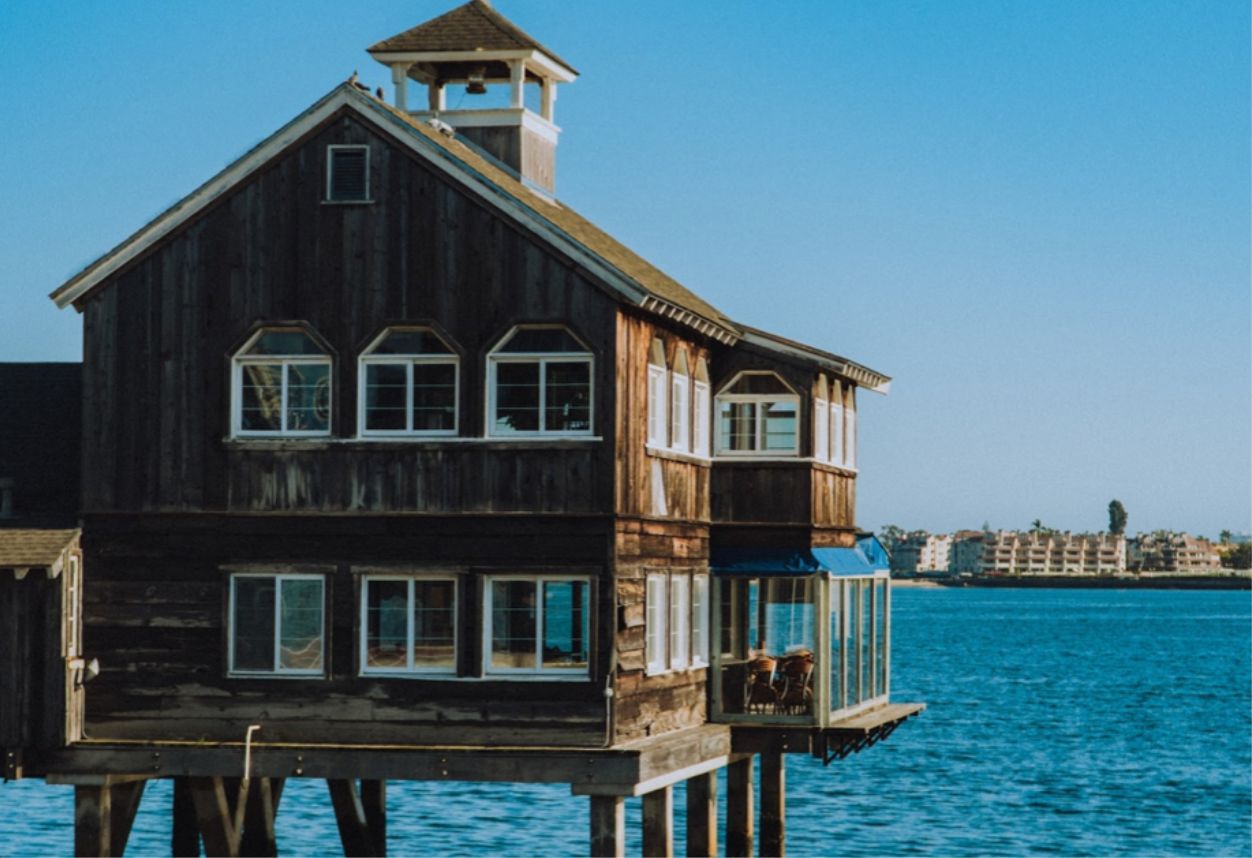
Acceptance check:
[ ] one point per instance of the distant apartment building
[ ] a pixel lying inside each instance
(1007, 552)
(965, 557)
(1172, 552)
(920, 551)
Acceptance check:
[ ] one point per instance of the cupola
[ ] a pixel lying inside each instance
(475, 47)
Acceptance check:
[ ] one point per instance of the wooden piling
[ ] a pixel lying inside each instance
(702, 816)
(104, 813)
(185, 835)
(258, 838)
(739, 808)
(658, 823)
(773, 804)
(608, 826)
(358, 836)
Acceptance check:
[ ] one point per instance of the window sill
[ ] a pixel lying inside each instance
(533, 442)
(677, 455)
(347, 202)
(676, 671)
(276, 674)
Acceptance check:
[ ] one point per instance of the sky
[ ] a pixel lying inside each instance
(1034, 217)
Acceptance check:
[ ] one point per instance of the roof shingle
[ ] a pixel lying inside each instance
(23, 549)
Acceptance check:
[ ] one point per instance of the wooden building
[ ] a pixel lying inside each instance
(396, 467)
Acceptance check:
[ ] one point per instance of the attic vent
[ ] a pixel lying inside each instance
(347, 174)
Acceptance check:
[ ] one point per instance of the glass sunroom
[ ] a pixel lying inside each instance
(803, 636)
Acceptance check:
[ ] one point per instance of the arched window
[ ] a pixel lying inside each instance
(657, 397)
(703, 410)
(539, 383)
(821, 421)
(756, 416)
(281, 385)
(680, 404)
(408, 384)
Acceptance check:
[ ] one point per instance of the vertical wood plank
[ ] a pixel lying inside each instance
(354, 828)
(773, 805)
(93, 816)
(739, 820)
(702, 816)
(213, 817)
(125, 804)
(257, 837)
(374, 799)
(608, 826)
(658, 823)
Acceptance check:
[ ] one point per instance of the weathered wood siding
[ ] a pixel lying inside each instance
(155, 613)
(159, 336)
(649, 705)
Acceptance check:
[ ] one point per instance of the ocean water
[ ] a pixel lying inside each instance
(1060, 722)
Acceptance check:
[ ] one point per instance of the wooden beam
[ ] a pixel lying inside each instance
(739, 808)
(185, 836)
(374, 799)
(257, 837)
(218, 822)
(608, 826)
(126, 798)
(93, 818)
(702, 816)
(658, 823)
(773, 805)
(354, 826)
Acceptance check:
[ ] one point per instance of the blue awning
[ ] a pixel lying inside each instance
(866, 558)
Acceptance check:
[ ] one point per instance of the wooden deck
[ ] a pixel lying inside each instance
(854, 733)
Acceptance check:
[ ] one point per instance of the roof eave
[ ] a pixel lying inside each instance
(867, 378)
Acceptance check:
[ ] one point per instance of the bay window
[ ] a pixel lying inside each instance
(539, 383)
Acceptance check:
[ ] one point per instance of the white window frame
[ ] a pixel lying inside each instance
(703, 401)
(368, 359)
(278, 670)
(849, 442)
(658, 400)
(701, 618)
(538, 670)
(679, 621)
(543, 359)
(656, 619)
(821, 430)
(760, 400)
(680, 410)
(410, 669)
(330, 172)
(242, 360)
(836, 424)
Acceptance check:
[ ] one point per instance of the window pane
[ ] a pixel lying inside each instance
(513, 640)
(700, 619)
(285, 343)
(385, 396)
(738, 425)
(704, 420)
(780, 425)
(656, 624)
(679, 616)
(568, 393)
(758, 383)
(262, 399)
(566, 609)
(434, 625)
(837, 699)
(411, 343)
(540, 340)
(517, 397)
(300, 642)
(253, 623)
(434, 397)
(308, 397)
(386, 624)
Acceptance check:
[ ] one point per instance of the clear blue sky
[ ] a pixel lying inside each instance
(1034, 216)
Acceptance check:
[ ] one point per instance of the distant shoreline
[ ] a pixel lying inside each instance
(1162, 582)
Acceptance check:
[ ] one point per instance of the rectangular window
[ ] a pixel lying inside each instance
(657, 617)
(704, 420)
(347, 174)
(679, 621)
(821, 430)
(700, 619)
(836, 433)
(537, 625)
(276, 624)
(408, 625)
(849, 443)
(656, 406)
(680, 413)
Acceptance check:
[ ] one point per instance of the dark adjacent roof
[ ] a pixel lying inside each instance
(38, 549)
(41, 440)
(476, 26)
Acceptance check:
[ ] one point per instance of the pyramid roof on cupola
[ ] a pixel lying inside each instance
(475, 26)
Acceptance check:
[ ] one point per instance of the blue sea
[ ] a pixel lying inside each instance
(1060, 722)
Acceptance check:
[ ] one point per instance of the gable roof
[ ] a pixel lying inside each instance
(606, 260)
(476, 26)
